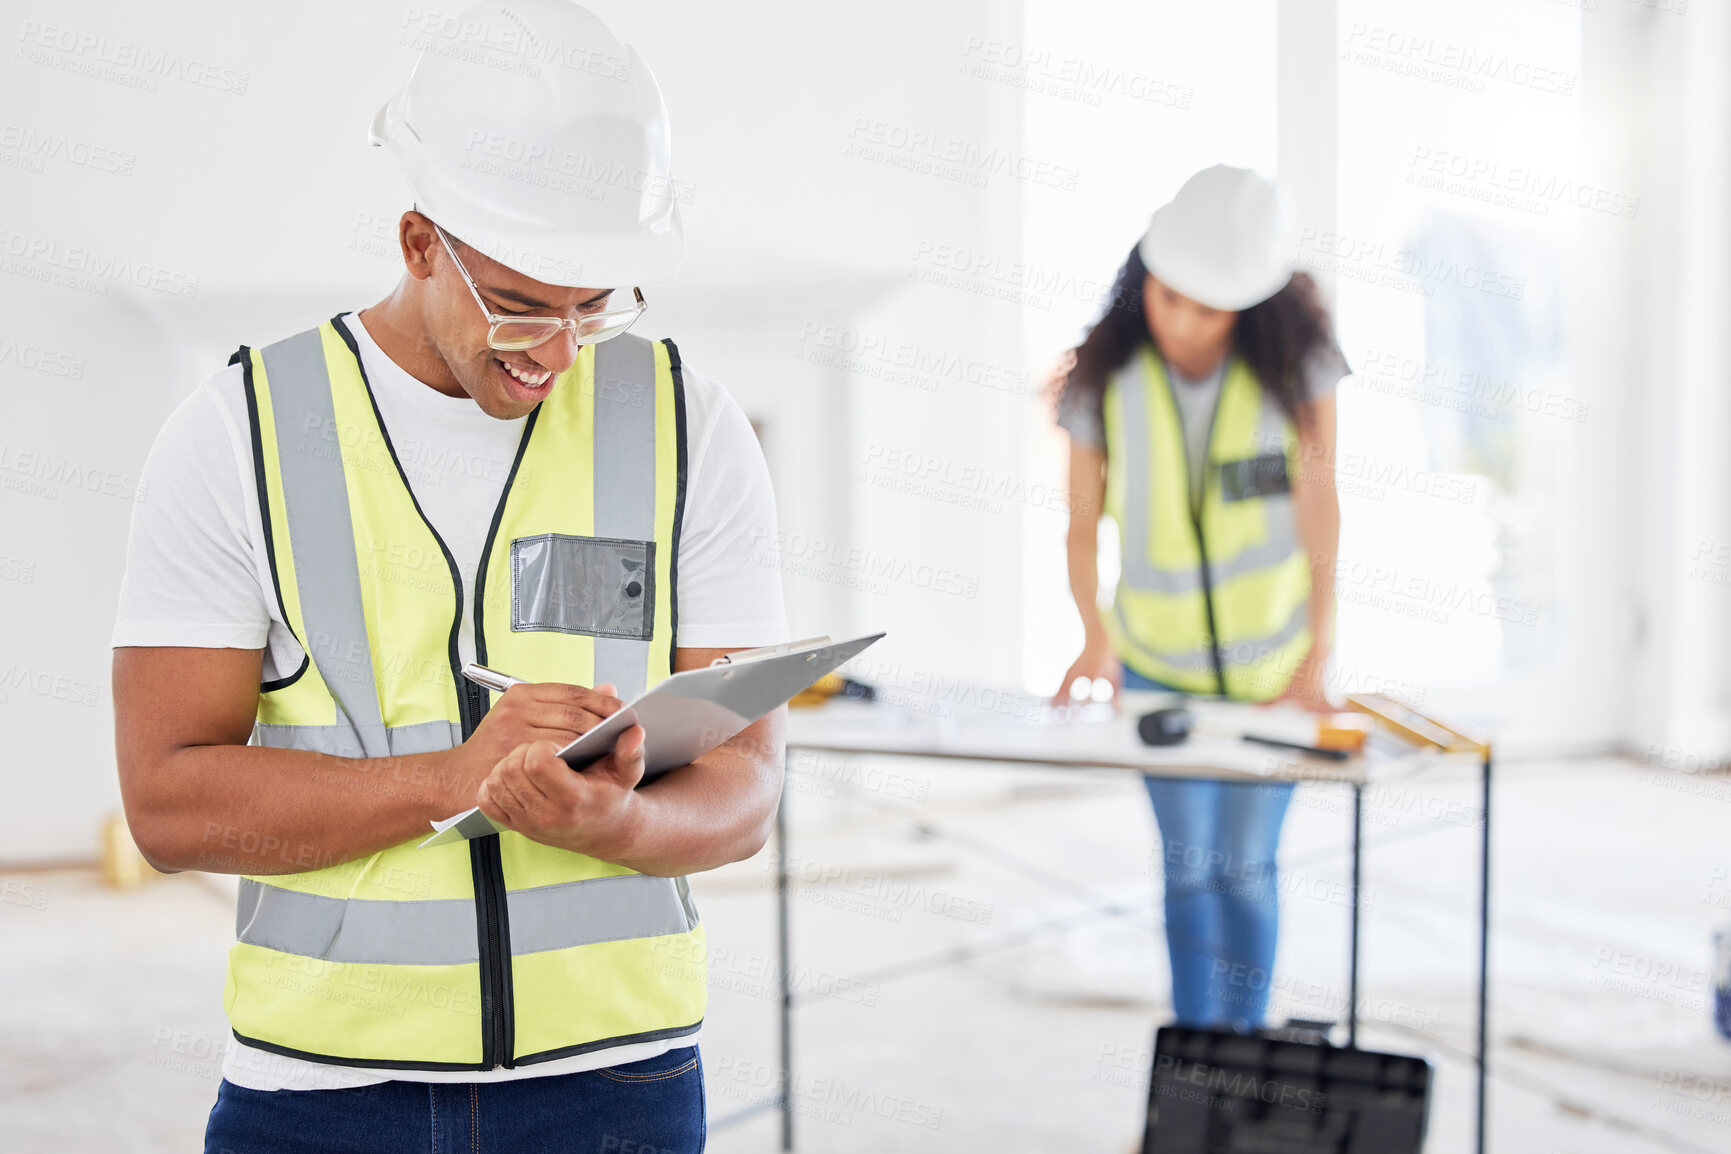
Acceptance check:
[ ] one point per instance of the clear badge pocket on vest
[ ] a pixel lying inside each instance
(1263, 476)
(594, 586)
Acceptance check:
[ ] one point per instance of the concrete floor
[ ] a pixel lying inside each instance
(982, 966)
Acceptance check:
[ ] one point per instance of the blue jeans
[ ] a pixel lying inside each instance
(650, 1107)
(1218, 843)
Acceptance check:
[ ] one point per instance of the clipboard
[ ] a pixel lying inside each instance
(688, 714)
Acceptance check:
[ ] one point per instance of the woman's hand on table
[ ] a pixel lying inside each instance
(1306, 690)
(1097, 663)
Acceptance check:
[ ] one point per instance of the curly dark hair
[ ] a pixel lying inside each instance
(1273, 337)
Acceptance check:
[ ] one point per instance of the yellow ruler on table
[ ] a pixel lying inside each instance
(1416, 727)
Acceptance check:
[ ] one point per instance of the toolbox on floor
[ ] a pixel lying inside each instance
(1219, 1092)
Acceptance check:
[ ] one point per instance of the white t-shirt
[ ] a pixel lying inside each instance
(197, 574)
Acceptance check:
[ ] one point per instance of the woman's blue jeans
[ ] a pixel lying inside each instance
(1217, 846)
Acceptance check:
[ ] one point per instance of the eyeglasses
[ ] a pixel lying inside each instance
(511, 334)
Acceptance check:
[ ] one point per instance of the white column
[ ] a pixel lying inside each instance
(1698, 714)
(1654, 357)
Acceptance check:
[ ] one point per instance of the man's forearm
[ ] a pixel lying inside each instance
(250, 810)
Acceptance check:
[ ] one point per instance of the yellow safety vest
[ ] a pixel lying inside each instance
(497, 951)
(1213, 594)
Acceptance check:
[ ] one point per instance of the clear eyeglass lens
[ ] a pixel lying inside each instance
(607, 324)
(524, 334)
(527, 332)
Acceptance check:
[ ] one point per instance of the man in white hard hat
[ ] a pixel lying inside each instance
(483, 466)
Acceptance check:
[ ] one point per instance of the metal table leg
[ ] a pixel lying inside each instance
(1352, 960)
(785, 1091)
(1484, 942)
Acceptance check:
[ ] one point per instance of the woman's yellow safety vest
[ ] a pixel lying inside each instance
(498, 951)
(1213, 594)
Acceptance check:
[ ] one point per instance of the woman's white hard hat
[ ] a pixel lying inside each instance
(1226, 240)
(529, 132)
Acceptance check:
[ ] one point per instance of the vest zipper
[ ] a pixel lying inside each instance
(1208, 604)
(1197, 501)
(488, 869)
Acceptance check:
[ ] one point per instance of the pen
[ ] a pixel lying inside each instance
(490, 678)
(1316, 751)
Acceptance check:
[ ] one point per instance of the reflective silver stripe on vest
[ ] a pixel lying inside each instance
(611, 909)
(321, 538)
(345, 741)
(684, 889)
(625, 482)
(1247, 651)
(1130, 396)
(441, 932)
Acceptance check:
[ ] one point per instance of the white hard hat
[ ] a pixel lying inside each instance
(529, 132)
(1226, 240)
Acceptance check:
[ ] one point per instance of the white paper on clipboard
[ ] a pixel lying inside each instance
(688, 714)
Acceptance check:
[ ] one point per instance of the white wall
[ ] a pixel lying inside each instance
(250, 207)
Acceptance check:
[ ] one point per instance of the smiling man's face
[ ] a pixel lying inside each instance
(506, 385)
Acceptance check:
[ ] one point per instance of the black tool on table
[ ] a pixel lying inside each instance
(1313, 750)
(1174, 725)
(1169, 726)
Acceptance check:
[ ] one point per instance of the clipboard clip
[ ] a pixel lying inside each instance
(745, 655)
